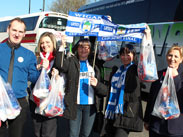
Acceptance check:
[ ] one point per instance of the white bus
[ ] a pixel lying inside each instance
(36, 24)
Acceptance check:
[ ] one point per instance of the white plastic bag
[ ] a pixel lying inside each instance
(9, 106)
(42, 87)
(147, 69)
(166, 105)
(107, 50)
(53, 105)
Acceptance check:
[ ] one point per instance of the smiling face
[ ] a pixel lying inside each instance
(16, 32)
(127, 58)
(174, 58)
(127, 54)
(83, 50)
(46, 44)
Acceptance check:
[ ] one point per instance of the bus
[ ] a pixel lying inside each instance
(165, 19)
(36, 24)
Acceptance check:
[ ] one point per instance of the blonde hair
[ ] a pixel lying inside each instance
(176, 47)
(53, 39)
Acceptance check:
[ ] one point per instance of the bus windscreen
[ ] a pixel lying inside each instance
(55, 23)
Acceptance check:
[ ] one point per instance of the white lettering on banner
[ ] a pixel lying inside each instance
(133, 30)
(88, 16)
(107, 28)
(75, 24)
(129, 38)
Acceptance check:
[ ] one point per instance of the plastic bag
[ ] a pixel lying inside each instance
(53, 105)
(42, 87)
(107, 50)
(9, 106)
(166, 105)
(147, 69)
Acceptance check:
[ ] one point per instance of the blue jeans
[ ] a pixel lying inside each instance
(83, 123)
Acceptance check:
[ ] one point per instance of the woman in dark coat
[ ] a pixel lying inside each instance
(159, 127)
(124, 105)
(83, 86)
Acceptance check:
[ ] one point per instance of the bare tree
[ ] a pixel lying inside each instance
(65, 6)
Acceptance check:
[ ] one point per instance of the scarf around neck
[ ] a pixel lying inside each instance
(49, 56)
(115, 103)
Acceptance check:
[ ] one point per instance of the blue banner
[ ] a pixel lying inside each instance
(111, 32)
(81, 24)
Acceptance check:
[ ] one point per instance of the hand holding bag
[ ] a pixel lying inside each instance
(147, 70)
(53, 105)
(9, 106)
(42, 87)
(166, 105)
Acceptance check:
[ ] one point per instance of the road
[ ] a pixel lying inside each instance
(145, 132)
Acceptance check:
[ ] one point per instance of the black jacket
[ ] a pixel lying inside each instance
(166, 127)
(71, 68)
(132, 118)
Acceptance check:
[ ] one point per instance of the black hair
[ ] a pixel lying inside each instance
(128, 48)
(81, 41)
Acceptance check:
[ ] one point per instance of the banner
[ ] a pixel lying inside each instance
(130, 33)
(81, 24)
(107, 28)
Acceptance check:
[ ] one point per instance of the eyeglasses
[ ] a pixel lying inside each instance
(84, 47)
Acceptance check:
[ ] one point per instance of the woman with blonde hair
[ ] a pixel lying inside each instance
(44, 126)
(159, 127)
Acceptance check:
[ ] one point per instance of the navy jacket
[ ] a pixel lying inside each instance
(161, 126)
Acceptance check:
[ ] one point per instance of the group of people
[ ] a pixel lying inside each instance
(84, 88)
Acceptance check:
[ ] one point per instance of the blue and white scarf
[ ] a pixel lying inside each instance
(113, 32)
(82, 24)
(115, 103)
(85, 94)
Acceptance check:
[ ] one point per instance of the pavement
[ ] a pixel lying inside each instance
(63, 128)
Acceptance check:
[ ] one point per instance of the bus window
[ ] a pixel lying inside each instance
(30, 22)
(56, 23)
(3, 26)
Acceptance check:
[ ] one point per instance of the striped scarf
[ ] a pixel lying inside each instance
(115, 103)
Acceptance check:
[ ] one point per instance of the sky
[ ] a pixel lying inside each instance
(21, 7)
